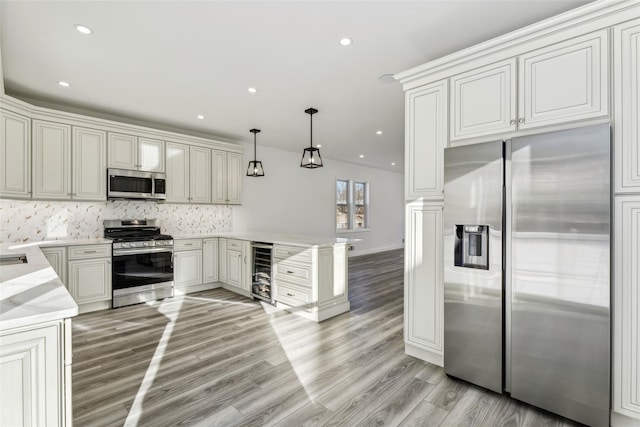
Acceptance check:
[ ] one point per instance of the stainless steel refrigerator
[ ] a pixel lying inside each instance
(527, 269)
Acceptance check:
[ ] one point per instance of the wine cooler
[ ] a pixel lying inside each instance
(262, 263)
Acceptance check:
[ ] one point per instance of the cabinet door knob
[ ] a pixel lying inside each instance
(521, 121)
(513, 121)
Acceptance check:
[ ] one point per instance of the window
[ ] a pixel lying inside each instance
(352, 205)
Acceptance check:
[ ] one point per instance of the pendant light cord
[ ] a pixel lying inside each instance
(311, 127)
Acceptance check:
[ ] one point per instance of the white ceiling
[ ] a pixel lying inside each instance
(165, 62)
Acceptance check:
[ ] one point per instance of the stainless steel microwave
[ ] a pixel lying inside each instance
(130, 184)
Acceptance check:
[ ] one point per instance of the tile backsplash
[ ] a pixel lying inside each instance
(29, 220)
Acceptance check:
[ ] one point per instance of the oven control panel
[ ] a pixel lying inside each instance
(144, 244)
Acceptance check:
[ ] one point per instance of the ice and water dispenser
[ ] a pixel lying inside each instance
(472, 246)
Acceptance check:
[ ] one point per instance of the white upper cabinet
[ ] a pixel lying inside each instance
(89, 164)
(131, 152)
(123, 151)
(177, 172)
(15, 155)
(483, 101)
(151, 155)
(626, 60)
(199, 175)
(426, 138)
(564, 82)
(227, 177)
(51, 160)
(234, 178)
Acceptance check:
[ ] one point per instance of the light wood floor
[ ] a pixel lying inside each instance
(214, 358)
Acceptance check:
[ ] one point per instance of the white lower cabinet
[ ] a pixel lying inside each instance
(626, 303)
(423, 282)
(57, 257)
(33, 370)
(210, 260)
(90, 280)
(234, 266)
(187, 262)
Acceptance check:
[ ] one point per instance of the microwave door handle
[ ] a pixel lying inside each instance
(153, 186)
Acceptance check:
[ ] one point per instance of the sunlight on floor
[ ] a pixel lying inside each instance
(166, 307)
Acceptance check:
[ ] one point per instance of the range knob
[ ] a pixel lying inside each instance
(125, 245)
(149, 243)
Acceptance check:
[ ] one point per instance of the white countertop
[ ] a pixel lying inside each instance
(275, 238)
(32, 293)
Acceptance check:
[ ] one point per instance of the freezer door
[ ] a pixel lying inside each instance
(560, 273)
(473, 264)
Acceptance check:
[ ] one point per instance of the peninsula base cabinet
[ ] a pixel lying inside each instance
(57, 257)
(35, 375)
(311, 282)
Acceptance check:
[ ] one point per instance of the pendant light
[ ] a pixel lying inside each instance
(255, 166)
(311, 156)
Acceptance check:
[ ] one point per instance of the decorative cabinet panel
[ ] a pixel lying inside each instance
(247, 266)
(89, 164)
(626, 323)
(131, 152)
(626, 60)
(222, 260)
(177, 172)
(199, 175)
(226, 177)
(423, 282)
(564, 82)
(51, 160)
(483, 101)
(15, 155)
(57, 257)
(426, 138)
(31, 367)
(210, 260)
(90, 280)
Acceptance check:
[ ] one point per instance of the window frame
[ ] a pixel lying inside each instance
(352, 207)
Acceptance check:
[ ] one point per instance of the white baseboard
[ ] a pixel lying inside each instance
(356, 252)
(619, 420)
(427, 356)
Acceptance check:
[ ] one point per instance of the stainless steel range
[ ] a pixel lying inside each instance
(142, 264)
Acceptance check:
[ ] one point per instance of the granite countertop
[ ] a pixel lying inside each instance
(31, 293)
(275, 238)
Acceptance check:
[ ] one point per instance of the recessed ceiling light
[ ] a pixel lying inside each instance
(387, 78)
(378, 132)
(362, 156)
(345, 41)
(84, 29)
(200, 116)
(252, 90)
(393, 163)
(64, 84)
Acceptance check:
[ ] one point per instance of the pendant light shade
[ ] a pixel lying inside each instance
(311, 156)
(255, 166)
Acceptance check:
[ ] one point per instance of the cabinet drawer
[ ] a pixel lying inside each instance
(293, 296)
(89, 251)
(235, 245)
(292, 253)
(187, 244)
(300, 274)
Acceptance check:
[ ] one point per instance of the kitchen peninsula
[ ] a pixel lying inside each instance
(35, 341)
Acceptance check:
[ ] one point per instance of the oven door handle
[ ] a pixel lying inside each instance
(117, 252)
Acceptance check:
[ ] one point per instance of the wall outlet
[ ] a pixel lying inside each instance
(351, 247)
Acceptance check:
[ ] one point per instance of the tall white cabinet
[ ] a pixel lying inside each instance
(51, 160)
(89, 164)
(626, 337)
(578, 69)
